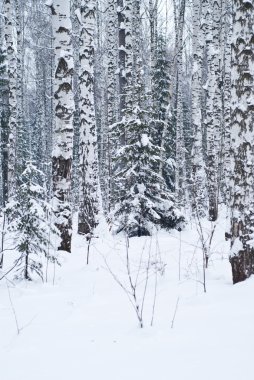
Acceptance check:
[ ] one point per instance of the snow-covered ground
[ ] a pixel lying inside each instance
(84, 326)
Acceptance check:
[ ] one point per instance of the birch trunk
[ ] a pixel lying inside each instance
(226, 99)
(121, 57)
(211, 154)
(4, 108)
(180, 171)
(242, 116)
(213, 107)
(63, 128)
(136, 54)
(111, 93)
(11, 38)
(89, 184)
(112, 59)
(153, 15)
(20, 139)
(198, 167)
(129, 55)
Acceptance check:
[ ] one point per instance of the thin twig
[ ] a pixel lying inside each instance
(176, 307)
(13, 309)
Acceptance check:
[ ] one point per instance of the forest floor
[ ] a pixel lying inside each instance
(82, 325)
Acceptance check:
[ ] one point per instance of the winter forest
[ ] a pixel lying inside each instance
(126, 189)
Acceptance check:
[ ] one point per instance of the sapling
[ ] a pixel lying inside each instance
(135, 281)
(29, 222)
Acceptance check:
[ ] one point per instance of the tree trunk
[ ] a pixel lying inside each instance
(63, 128)
(129, 55)
(89, 183)
(198, 167)
(180, 171)
(242, 111)
(226, 100)
(121, 57)
(12, 73)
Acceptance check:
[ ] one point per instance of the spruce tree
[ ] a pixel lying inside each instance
(143, 199)
(29, 217)
(164, 130)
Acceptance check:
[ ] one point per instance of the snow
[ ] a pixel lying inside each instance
(78, 15)
(141, 188)
(236, 247)
(145, 141)
(80, 324)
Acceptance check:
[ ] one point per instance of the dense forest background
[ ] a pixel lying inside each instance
(141, 111)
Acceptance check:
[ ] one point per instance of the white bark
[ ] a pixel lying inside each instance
(226, 99)
(121, 57)
(11, 38)
(129, 53)
(112, 60)
(180, 171)
(198, 167)
(213, 106)
(63, 128)
(242, 141)
(89, 184)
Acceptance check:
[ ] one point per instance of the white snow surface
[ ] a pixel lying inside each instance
(83, 326)
(49, 3)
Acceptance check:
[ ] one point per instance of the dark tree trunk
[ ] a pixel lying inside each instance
(242, 265)
(62, 172)
(242, 142)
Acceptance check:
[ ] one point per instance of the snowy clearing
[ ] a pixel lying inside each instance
(84, 326)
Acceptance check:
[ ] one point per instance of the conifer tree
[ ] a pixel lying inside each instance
(164, 131)
(142, 198)
(30, 224)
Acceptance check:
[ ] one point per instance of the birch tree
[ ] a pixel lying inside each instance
(153, 19)
(101, 94)
(121, 56)
(112, 59)
(112, 54)
(242, 116)
(180, 171)
(20, 133)
(198, 166)
(11, 38)
(226, 98)
(213, 106)
(4, 116)
(128, 55)
(63, 126)
(89, 183)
